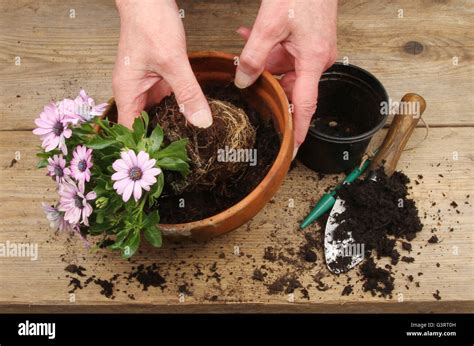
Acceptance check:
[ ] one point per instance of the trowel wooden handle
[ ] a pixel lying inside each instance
(403, 124)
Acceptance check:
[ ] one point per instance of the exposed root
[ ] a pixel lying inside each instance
(231, 130)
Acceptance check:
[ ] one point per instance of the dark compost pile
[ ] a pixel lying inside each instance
(379, 214)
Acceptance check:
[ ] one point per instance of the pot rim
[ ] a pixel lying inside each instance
(286, 141)
(375, 84)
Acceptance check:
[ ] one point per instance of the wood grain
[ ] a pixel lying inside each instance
(60, 54)
(415, 53)
(42, 286)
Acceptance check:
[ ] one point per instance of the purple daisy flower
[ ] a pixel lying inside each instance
(82, 108)
(52, 128)
(81, 164)
(134, 173)
(56, 219)
(74, 204)
(57, 168)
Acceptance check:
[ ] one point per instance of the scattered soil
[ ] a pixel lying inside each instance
(347, 290)
(406, 246)
(107, 287)
(312, 242)
(224, 183)
(74, 269)
(376, 279)
(286, 283)
(270, 254)
(310, 256)
(148, 276)
(258, 275)
(75, 283)
(185, 289)
(286, 267)
(433, 240)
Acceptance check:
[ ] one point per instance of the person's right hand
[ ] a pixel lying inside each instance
(152, 61)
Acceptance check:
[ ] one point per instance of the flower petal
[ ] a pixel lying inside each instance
(52, 144)
(133, 157)
(127, 192)
(120, 185)
(40, 131)
(152, 171)
(147, 180)
(91, 195)
(120, 165)
(127, 159)
(149, 164)
(119, 175)
(137, 191)
(142, 158)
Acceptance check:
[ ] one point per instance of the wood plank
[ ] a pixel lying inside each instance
(60, 54)
(22, 188)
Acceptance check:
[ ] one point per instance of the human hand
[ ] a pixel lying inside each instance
(152, 61)
(297, 39)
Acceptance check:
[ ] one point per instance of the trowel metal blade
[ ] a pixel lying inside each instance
(341, 256)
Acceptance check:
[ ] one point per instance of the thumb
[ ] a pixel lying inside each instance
(254, 56)
(188, 93)
(304, 98)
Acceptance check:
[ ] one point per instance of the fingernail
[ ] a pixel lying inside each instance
(202, 118)
(242, 80)
(295, 152)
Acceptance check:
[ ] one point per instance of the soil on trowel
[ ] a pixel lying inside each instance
(379, 215)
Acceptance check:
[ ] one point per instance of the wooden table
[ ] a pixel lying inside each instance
(60, 54)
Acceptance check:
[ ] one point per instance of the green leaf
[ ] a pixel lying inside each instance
(157, 188)
(173, 164)
(130, 246)
(142, 145)
(115, 203)
(138, 129)
(152, 219)
(176, 149)
(127, 140)
(84, 130)
(100, 143)
(153, 236)
(121, 236)
(146, 119)
(42, 163)
(45, 155)
(104, 125)
(99, 218)
(98, 228)
(156, 138)
(119, 129)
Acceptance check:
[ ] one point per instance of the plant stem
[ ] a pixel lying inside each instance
(103, 127)
(142, 204)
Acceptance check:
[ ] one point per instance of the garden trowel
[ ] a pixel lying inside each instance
(341, 256)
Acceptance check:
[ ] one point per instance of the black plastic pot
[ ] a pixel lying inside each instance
(355, 96)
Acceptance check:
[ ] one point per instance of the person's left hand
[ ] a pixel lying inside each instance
(295, 38)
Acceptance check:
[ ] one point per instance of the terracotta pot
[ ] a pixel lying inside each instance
(269, 99)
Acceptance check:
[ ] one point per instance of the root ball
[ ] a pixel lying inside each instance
(231, 130)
